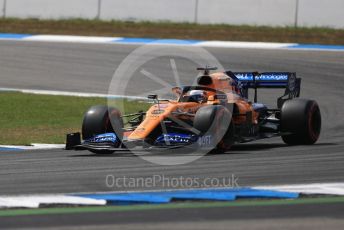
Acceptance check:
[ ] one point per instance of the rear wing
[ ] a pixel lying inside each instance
(275, 80)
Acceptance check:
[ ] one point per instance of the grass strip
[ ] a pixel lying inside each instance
(31, 118)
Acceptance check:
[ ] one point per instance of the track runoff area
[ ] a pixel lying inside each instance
(306, 193)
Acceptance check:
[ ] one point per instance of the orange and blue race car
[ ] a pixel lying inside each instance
(214, 114)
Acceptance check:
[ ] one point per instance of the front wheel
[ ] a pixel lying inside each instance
(101, 119)
(216, 121)
(301, 119)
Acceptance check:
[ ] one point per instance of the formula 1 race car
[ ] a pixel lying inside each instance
(213, 114)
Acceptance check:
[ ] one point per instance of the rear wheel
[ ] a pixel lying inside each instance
(301, 119)
(215, 120)
(101, 119)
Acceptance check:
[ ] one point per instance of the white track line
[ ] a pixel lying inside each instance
(251, 45)
(315, 188)
(116, 40)
(34, 201)
(34, 146)
(71, 38)
(169, 42)
(67, 93)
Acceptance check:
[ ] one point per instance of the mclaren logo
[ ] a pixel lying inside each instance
(263, 77)
(158, 111)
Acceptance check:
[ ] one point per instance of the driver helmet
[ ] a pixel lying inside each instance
(197, 95)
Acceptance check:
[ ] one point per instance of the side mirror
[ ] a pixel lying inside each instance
(153, 97)
(177, 91)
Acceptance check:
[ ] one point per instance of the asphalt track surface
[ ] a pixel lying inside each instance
(89, 68)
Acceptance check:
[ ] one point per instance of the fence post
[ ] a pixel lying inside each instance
(99, 9)
(196, 11)
(4, 9)
(296, 13)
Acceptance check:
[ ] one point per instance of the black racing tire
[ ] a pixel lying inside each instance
(228, 139)
(300, 118)
(214, 120)
(102, 119)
